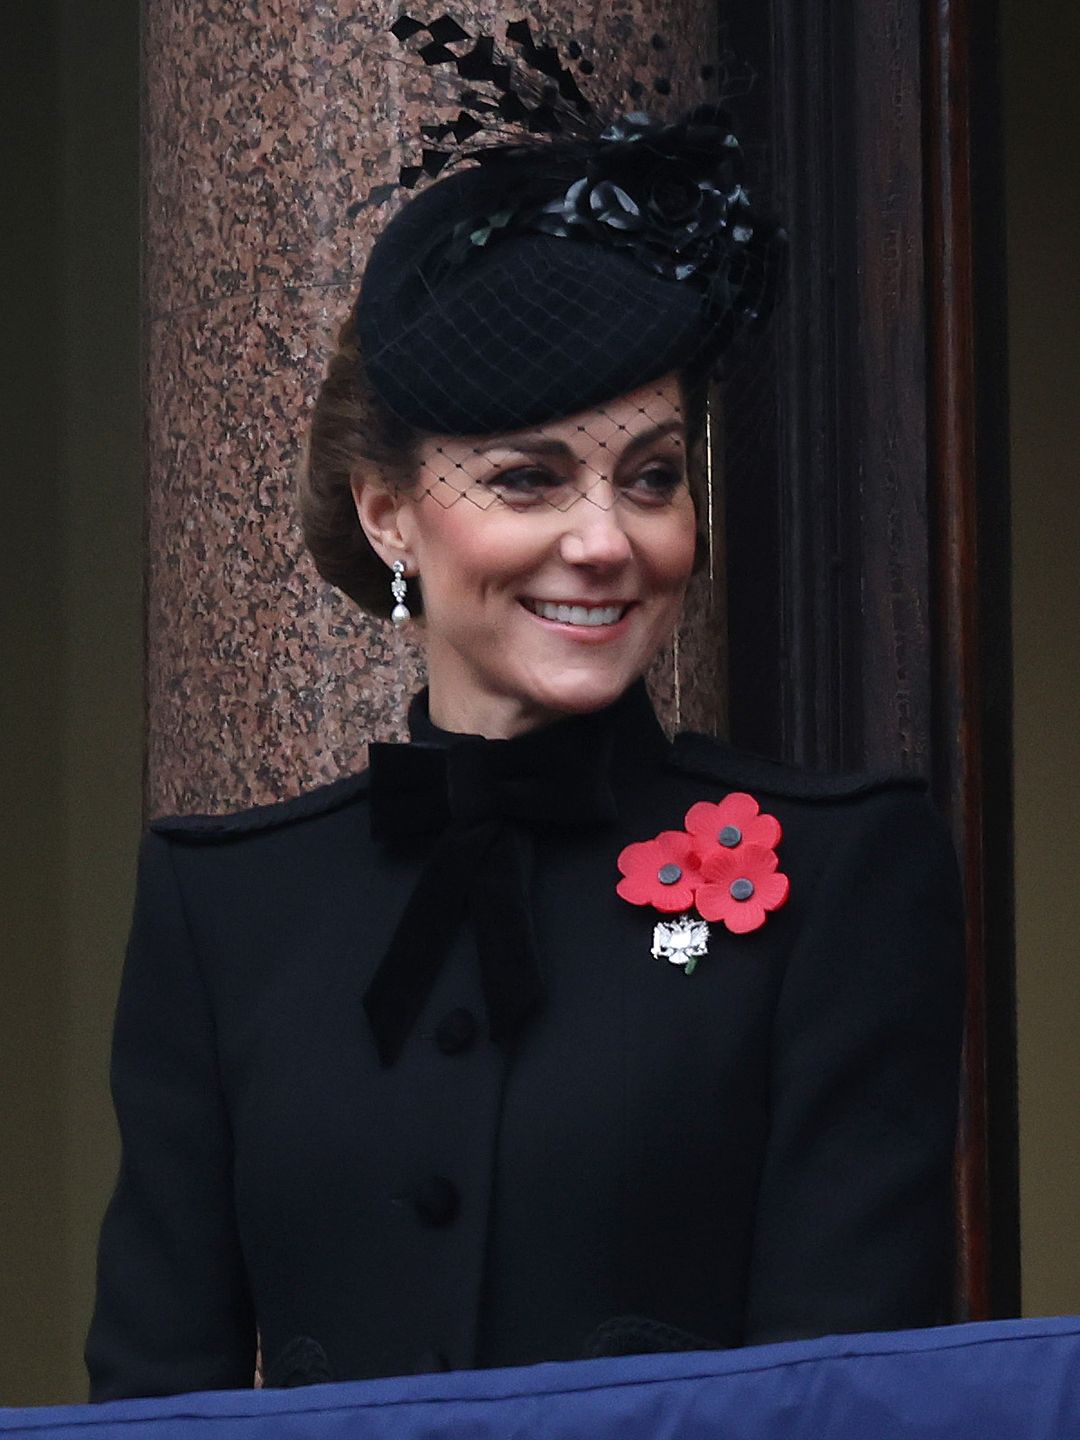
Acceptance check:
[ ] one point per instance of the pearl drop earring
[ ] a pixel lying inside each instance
(401, 614)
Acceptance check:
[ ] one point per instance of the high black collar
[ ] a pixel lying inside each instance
(630, 722)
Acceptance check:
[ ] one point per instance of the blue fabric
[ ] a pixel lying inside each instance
(1007, 1380)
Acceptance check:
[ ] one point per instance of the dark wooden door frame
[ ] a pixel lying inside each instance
(868, 519)
(973, 718)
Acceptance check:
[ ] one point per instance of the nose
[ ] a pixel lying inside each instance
(594, 534)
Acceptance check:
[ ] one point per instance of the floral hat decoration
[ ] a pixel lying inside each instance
(722, 866)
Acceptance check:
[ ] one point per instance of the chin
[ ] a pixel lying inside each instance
(572, 694)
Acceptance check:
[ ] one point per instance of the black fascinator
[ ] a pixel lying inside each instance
(555, 253)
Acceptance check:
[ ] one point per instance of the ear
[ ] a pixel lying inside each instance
(382, 508)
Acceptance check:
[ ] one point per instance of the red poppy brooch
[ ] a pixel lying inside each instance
(723, 866)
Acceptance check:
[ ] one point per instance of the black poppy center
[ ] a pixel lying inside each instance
(669, 874)
(730, 836)
(742, 889)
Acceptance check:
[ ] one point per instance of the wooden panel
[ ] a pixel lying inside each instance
(867, 500)
(969, 537)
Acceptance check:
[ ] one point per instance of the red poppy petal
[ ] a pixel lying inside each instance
(671, 899)
(746, 916)
(714, 902)
(636, 889)
(708, 819)
(756, 861)
(739, 809)
(773, 891)
(638, 857)
(675, 845)
(721, 866)
(763, 830)
(703, 818)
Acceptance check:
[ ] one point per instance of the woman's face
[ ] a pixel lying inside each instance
(553, 561)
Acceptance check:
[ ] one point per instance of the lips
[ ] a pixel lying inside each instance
(589, 616)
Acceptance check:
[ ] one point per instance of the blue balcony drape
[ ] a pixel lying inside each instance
(1006, 1380)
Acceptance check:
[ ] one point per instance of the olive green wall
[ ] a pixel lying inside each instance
(32, 1042)
(102, 557)
(71, 645)
(1041, 60)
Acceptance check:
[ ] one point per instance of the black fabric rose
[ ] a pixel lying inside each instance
(672, 194)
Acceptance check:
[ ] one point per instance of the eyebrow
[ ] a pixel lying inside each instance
(541, 444)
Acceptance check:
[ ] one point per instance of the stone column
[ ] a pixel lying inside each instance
(265, 123)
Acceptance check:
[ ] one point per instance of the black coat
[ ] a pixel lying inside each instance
(757, 1151)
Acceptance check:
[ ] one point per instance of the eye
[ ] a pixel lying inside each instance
(656, 484)
(524, 485)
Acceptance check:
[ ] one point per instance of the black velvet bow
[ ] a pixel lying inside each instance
(475, 795)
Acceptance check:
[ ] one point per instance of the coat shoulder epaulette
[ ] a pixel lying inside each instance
(738, 769)
(320, 801)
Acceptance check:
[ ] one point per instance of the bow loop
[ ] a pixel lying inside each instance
(408, 790)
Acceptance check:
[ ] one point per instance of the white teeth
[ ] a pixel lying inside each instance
(578, 614)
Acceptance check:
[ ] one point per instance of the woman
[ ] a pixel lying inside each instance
(545, 1036)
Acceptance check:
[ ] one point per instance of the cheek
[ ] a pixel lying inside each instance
(464, 549)
(441, 541)
(669, 550)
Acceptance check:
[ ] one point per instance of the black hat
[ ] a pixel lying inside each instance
(555, 274)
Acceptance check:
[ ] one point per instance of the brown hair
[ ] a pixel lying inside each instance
(352, 429)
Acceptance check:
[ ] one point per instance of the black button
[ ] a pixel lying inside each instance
(436, 1200)
(456, 1032)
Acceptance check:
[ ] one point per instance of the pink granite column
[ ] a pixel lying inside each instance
(265, 123)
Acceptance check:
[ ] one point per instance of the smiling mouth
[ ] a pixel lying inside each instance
(588, 615)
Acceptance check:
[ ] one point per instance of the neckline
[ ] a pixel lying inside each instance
(629, 722)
